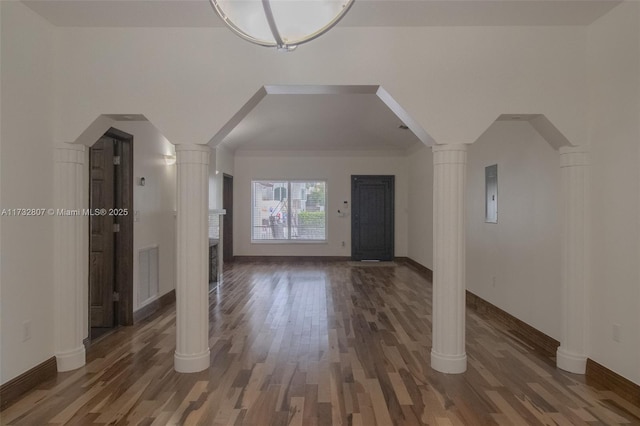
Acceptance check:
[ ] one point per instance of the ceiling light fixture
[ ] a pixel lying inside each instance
(283, 24)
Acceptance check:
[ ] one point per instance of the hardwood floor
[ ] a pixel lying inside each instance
(313, 343)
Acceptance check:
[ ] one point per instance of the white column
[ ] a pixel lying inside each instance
(449, 180)
(67, 254)
(192, 287)
(571, 355)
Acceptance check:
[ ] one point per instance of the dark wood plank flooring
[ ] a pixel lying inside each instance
(312, 343)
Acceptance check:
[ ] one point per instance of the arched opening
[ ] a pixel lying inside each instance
(514, 258)
(124, 285)
(531, 261)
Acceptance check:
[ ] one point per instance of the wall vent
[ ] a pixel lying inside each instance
(148, 282)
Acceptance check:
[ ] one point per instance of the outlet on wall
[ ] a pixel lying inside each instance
(493, 282)
(26, 330)
(343, 244)
(615, 332)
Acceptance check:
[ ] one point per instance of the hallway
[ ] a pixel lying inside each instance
(317, 343)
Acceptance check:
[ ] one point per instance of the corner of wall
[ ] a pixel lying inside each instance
(26, 162)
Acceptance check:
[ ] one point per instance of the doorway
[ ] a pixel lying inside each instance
(110, 233)
(372, 217)
(227, 220)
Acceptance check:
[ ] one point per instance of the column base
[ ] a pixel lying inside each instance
(191, 363)
(571, 362)
(70, 360)
(450, 364)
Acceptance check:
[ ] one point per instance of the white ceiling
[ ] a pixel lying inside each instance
(330, 121)
(364, 13)
(312, 122)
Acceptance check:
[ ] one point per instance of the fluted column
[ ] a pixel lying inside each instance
(571, 355)
(68, 282)
(449, 180)
(192, 286)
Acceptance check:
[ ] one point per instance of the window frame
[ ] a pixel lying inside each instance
(289, 239)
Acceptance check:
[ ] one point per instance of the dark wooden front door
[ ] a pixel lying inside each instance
(111, 232)
(372, 217)
(227, 220)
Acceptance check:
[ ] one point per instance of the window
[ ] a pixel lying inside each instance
(280, 193)
(275, 216)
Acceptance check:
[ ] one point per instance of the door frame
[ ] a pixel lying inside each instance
(123, 241)
(123, 247)
(227, 220)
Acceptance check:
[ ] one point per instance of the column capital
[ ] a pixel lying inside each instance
(192, 147)
(449, 147)
(69, 153)
(450, 153)
(192, 153)
(572, 156)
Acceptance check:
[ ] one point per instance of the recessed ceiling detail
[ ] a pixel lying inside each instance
(517, 117)
(364, 13)
(543, 126)
(321, 118)
(126, 117)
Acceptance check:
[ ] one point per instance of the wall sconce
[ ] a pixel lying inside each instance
(170, 160)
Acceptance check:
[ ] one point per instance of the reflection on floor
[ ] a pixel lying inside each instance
(98, 332)
(317, 344)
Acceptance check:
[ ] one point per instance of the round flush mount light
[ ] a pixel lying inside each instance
(283, 24)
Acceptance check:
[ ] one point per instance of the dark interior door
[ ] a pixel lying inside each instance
(111, 232)
(227, 220)
(101, 244)
(372, 217)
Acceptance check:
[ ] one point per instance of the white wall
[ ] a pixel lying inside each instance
(215, 183)
(223, 164)
(336, 169)
(614, 137)
(224, 161)
(155, 203)
(454, 81)
(420, 217)
(26, 181)
(515, 263)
